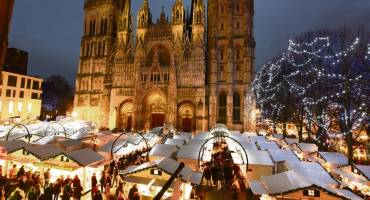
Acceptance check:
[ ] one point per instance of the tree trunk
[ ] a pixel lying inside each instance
(284, 130)
(300, 132)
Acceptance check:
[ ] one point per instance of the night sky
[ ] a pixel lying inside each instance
(50, 30)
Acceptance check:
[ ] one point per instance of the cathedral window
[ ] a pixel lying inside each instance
(222, 107)
(105, 26)
(199, 16)
(99, 49)
(101, 26)
(236, 107)
(222, 26)
(237, 25)
(221, 54)
(103, 48)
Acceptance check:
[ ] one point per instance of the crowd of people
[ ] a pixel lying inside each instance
(101, 189)
(221, 171)
(32, 185)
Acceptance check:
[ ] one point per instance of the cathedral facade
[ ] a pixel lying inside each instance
(190, 71)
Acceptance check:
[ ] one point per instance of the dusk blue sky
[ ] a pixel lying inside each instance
(50, 30)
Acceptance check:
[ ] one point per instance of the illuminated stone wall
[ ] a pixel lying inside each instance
(159, 75)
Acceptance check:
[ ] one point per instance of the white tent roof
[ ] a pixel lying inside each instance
(255, 157)
(279, 155)
(257, 187)
(313, 171)
(191, 152)
(201, 136)
(290, 141)
(257, 138)
(334, 158)
(117, 146)
(292, 180)
(85, 157)
(163, 150)
(284, 182)
(308, 147)
(170, 166)
(365, 170)
(44, 152)
(177, 142)
(265, 145)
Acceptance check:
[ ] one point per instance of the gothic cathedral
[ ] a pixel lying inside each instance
(190, 71)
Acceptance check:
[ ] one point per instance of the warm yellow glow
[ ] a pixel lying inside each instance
(74, 114)
(29, 108)
(19, 106)
(11, 107)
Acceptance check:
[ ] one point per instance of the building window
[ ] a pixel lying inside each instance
(237, 25)
(11, 107)
(12, 81)
(29, 107)
(23, 82)
(19, 106)
(21, 94)
(222, 105)
(28, 83)
(34, 95)
(222, 26)
(14, 93)
(311, 193)
(36, 85)
(8, 93)
(236, 107)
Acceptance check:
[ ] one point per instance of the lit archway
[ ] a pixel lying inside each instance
(186, 116)
(155, 107)
(126, 115)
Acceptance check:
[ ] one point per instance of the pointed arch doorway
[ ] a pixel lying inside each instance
(186, 116)
(126, 116)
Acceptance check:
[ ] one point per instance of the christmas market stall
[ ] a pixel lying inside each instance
(150, 177)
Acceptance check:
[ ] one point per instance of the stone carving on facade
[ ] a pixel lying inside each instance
(165, 58)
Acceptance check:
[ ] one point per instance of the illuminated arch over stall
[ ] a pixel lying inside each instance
(127, 133)
(221, 131)
(28, 136)
(56, 131)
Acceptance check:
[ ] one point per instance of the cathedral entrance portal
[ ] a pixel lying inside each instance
(125, 116)
(186, 116)
(157, 120)
(155, 107)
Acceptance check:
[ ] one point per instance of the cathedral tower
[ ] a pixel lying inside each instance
(230, 61)
(124, 29)
(96, 44)
(178, 20)
(144, 19)
(198, 20)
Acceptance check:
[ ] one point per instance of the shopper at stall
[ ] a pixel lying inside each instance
(46, 177)
(134, 193)
(20, 172)
(98, 196)
(48, 192)
(67, 190)
(57, 187)
(119, 192)
(13, 172)
(102, 181)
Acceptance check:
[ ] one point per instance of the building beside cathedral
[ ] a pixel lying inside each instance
(191, 70)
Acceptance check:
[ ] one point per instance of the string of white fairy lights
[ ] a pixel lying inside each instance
(298, 49)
